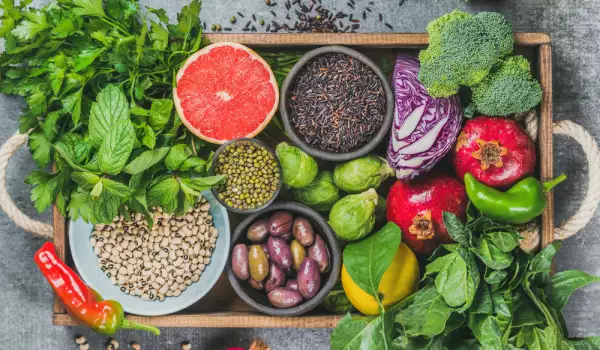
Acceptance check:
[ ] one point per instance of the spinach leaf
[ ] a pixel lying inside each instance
(506, 241)
(427, 315)
(452, 281)
(110, 107)
(565, 283)
(367, 260)
(363, 332)
(491, 256)
(496, 277)
(527, 315)
(456, 229)
(485, 328)
(483, 303)
(438, 264)
(116, 147)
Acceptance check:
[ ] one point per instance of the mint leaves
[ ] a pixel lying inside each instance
(97, 79)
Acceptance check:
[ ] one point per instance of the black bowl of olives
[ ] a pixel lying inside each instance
(253, 175)
(284, 259)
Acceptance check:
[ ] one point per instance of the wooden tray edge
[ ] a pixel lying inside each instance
(243, 320)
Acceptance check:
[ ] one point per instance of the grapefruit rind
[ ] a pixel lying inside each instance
(205, 51)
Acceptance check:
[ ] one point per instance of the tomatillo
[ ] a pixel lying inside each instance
(399, 281)
(523, 202)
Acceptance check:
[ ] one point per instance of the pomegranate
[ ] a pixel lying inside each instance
(496, 150)
(417, 205)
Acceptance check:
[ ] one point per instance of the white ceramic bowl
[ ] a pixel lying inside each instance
(86, 263)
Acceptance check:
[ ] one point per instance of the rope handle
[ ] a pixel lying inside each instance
(38, 228)
(588, 206)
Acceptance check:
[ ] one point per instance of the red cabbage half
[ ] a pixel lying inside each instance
(424, 127)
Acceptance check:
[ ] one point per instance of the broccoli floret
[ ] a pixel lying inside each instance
(507, 90)
(462, 50)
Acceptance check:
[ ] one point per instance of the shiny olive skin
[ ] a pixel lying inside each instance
(259, 264)
(275, 279)
(284, 298)
(298, 254)
(280, 223)
(280, 252)
(320, 253)
(291, 283)
(258, 285)
(309, 278)
(287, 237)
(265, 249)
(303, 231)
(239, 261)
(258, 231)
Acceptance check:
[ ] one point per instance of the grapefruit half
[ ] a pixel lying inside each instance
(225, 91)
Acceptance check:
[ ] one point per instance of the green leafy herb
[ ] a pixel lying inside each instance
(97, 77)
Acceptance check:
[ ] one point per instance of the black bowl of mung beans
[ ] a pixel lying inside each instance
(253, 175)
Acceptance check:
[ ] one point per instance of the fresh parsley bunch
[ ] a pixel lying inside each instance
(98, 78)
(482, 292)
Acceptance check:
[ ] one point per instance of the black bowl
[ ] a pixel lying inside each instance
(298, 140)
(258, 299)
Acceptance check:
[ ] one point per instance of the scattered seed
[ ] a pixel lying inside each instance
(273, 13)
(401, 3)
(389, 26)
(268, 27)
(355, 26)
(268, 2)
(79, 339)
(227, 29)
(232, 19)
(364, 14)
(135, 346)
(350, 5)
(262, 22)
(84, 346)
(253, 17)
(240, 14)
(186, 345)
(380, 17)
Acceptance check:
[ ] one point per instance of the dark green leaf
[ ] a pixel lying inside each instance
(49, 127)
(483, 302)
(527, 315)
(86, 57)
(88, 7)
(452, 282)
(159, 35)
(105, 208)
(438, 264)
(195, 164)
(146, 160)
(149, 138)
(495, 276)
(505, 241)
(72, 104)
(85, 179)
(110, 108)
(565, 283)
(368, 259)
(160, 113)
(203, 183)
(163, 192)
(427, 315)
(117, 189)
(456, 229)
(491, 256)
(80, 206)
(177, 155)
(116, 148)
(486, 330)
(361, 333)
(46, 188)
(29, 28)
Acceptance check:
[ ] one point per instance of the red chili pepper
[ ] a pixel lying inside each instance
(82, 302)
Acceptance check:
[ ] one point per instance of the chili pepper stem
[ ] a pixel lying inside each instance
(126, 324)
(548, 186)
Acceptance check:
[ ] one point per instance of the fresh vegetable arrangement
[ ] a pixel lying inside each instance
(129, 107)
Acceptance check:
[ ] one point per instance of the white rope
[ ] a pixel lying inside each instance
(590, 202)
(8, 206)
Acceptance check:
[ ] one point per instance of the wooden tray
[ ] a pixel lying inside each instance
(221, 307)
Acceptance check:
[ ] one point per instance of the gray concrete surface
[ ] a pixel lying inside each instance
(25, 313)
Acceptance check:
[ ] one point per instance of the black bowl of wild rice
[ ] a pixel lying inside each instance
(336, 104)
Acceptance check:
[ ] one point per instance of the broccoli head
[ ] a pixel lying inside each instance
(462, 50)
(508, 89)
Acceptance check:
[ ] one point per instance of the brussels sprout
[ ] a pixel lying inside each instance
(337, 301)
(362, 173)
(321, 194)
(353, 217)
(299, 169)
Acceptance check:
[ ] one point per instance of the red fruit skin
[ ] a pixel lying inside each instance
(434, 192)
(518, 163)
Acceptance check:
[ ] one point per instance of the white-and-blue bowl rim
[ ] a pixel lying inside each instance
(87, 266)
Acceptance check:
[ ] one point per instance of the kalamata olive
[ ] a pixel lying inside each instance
(279, 252)
(287, 237)
(258, 231)
(303, 231)
(320, 253)
(291, 284)
(298, 254)
(258, 285)
(280, 222)
(239, 261)
(309, 278)
(259, 264)
(275, 279)
(284, 298)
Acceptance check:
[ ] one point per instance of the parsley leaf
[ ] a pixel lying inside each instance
(41, 149)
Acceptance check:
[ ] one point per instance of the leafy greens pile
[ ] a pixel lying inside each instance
(481, 293)
(97, 77)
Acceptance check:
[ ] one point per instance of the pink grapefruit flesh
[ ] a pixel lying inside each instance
(225, 91)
